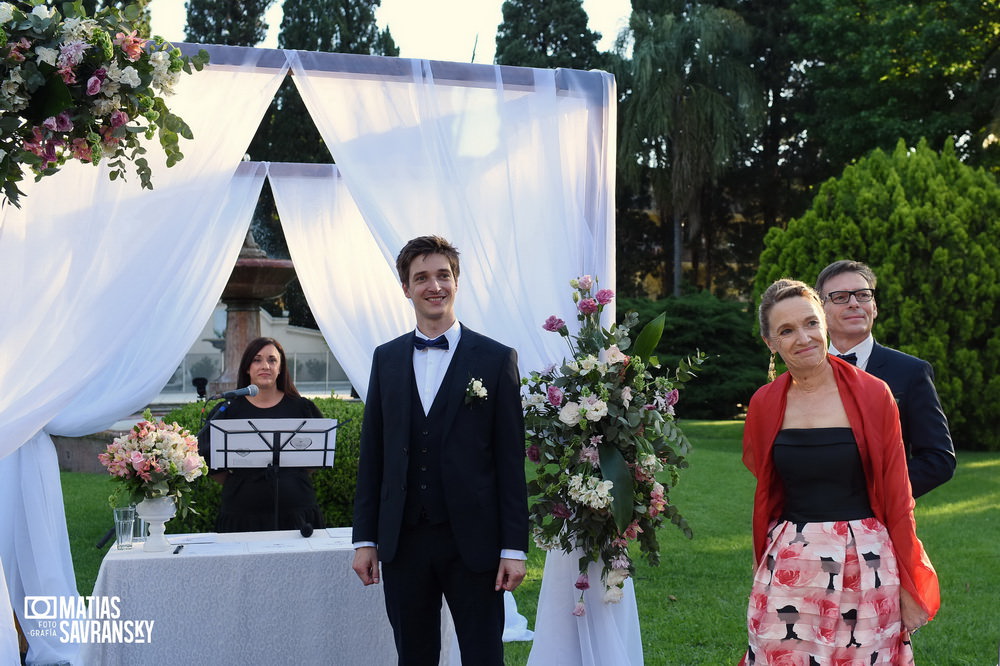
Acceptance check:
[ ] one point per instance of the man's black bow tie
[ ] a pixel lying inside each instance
(851, 358)
(420, 344)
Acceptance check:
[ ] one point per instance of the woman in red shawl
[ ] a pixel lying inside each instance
(840, 577)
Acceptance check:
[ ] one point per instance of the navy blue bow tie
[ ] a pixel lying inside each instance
(420, 344)
(851, 358)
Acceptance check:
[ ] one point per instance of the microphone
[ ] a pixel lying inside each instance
(250, 390)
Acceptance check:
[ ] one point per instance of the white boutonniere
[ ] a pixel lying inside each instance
(475, 391)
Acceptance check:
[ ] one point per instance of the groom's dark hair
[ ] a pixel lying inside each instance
(421, 247)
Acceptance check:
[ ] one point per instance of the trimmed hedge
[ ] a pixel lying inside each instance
(724, 330)
(334, 486)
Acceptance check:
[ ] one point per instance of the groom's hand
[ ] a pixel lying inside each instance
(366, 564)
(510, 574)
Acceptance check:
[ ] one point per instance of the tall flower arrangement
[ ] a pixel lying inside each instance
(155, 459)
(84, 88)
(601, 430)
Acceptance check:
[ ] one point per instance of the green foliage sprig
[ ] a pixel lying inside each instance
(84, 88)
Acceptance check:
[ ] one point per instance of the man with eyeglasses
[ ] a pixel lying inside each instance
(848, 292)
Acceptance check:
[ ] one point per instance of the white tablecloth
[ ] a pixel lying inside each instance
(255, 598)
(249, 598)
(607, 635)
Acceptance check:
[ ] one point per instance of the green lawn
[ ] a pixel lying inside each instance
(692, 606)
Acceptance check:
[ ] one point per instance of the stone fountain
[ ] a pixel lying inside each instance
(255, 279)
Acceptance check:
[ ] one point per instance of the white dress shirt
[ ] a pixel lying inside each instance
(863, 350)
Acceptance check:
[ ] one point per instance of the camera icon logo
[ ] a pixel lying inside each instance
(40, 608)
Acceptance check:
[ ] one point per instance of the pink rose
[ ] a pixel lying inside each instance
(583, 582)
(587, 306)
(604, 296)
(534, 453)
(118, 118)
(553, 324)
(673, 397)
(93, 85)
(585, 282)
(555, 396)
(579, 610)
(81, 150)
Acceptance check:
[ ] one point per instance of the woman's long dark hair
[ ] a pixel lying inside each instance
(283, 382)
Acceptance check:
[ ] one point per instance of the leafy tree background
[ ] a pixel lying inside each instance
(928, 226)
(229, 22)
(547, 33)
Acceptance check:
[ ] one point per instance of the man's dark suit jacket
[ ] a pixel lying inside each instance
(482, 459)
(930, 452)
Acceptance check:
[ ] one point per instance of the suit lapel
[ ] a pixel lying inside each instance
(453, 386)
(397, 394)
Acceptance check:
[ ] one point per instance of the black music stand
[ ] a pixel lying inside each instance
(262, 443)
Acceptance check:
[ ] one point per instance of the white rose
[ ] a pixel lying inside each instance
(616, 577)
(614, 355)
(613, 595)
(43, 12)
(6, 12)
(47, 55)
(570, 414)
(596, 410)
(130, 76)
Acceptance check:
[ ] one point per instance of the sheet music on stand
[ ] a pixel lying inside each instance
(272, 444)
(259, 443)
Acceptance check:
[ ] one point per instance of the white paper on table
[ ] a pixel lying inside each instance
(275, 546)
(224, 548)
(201, 537)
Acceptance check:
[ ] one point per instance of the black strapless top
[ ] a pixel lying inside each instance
(823, 476)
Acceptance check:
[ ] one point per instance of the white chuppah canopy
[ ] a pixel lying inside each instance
(111, 285)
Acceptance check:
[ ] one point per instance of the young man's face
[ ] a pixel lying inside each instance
(432, 287)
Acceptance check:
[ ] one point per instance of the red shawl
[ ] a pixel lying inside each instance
(874, 420)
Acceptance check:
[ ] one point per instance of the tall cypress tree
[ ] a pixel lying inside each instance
(546, 33)
(229, 22)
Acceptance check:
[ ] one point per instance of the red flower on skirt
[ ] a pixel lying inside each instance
(787, 577)
(781, 658)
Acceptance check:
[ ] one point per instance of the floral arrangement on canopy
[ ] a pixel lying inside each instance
(84, 88)
(602, 432)
(153, 460)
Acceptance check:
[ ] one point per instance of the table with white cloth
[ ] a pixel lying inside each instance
(255, 598)
(247, 598)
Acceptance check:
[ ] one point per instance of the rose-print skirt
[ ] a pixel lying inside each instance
(827, 594)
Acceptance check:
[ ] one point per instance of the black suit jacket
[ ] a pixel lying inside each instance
(929, 449)
(482, 458)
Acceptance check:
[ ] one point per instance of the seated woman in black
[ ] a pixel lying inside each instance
(248, 494)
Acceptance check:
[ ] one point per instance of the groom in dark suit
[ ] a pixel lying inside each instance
(848, 292)
(441, 498)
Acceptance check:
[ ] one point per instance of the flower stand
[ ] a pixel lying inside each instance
(156, 511)
(607, 634)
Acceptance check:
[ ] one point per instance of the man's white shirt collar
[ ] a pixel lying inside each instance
(863, 350)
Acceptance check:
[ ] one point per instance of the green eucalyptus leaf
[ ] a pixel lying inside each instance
(614, 469)
(649, 337)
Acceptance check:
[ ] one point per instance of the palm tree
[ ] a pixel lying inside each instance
(690, 101)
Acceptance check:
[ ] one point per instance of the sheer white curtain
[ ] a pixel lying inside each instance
(110, 286)
(353, 293)
(513, 165)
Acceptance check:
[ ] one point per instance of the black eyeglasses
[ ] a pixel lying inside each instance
(842, 297)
